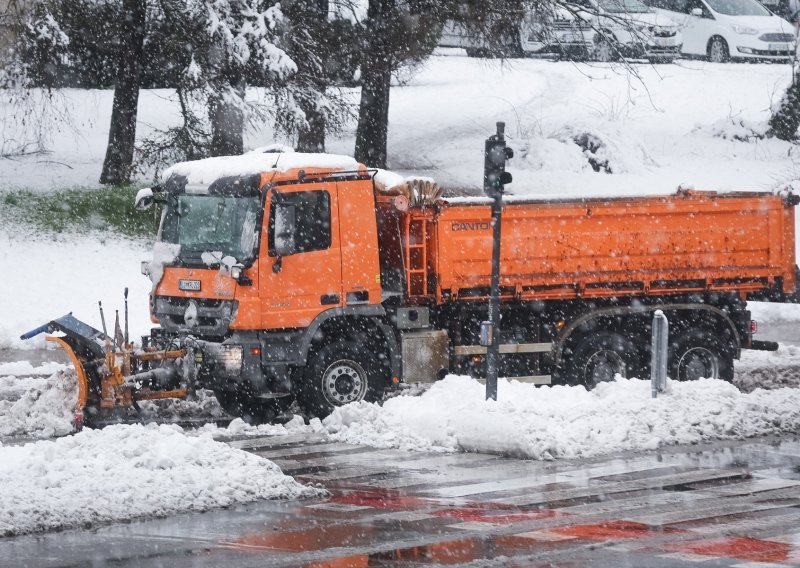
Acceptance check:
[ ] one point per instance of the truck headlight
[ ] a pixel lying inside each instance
(231, 358)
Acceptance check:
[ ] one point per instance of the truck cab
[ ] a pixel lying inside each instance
(251, 261)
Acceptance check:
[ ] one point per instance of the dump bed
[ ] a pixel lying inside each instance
(691, 241)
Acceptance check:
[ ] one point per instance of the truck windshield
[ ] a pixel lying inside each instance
(212, 223)
(623, 6)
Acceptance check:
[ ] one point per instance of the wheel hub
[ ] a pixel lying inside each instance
(343, 382)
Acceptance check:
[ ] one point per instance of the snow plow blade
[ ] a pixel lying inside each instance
(111, 376)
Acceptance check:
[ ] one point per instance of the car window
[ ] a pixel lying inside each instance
(623, 6)
(738, 7)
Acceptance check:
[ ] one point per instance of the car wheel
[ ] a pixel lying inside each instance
(718, 50)
(598, 358)
(605, 51)
(340, 373)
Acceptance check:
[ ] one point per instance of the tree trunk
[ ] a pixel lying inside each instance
(310, 17)
(118, 163)
(227, 123)
(376, 74)
(785, 121)
(312, 138)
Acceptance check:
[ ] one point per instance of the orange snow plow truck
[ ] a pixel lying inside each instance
(285, 276)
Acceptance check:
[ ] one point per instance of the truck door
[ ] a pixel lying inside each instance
(301, 271)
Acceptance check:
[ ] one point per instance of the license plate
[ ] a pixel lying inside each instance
(779, 47)
(189, 285)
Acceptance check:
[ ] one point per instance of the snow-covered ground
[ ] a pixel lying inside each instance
(671, 125)
(123, 472)
(565, 422)
(677, 127)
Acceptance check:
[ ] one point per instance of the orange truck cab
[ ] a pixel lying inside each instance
(309, 277)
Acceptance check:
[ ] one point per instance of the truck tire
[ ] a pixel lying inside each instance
(252, 409)
(340, 373)
(699, 354)
(600, 357)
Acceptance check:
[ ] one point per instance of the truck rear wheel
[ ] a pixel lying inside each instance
(699, 354)
(340, 373)
(253, 409)
(599, 357)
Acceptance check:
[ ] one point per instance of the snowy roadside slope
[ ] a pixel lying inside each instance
(48, 276)
(655, 134)
(125, 472)
(565, 422)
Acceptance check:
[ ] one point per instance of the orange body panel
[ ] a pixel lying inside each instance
(595, 248)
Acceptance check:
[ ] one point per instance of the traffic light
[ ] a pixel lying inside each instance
(495, 175)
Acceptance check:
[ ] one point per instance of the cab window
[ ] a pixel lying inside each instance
(299, 222)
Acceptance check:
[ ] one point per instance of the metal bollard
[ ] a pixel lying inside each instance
(659, 348)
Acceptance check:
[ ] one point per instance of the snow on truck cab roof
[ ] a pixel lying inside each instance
(212, 174)
(202, 173)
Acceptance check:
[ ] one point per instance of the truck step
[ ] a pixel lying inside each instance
(506, 348)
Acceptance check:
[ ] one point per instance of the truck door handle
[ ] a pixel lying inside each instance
(329, 299)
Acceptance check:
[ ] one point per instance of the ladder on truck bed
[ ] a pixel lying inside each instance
(416, 255)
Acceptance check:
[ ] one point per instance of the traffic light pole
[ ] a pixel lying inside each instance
(493, 350)
(495, 177)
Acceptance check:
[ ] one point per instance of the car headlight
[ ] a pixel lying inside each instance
(744, 30)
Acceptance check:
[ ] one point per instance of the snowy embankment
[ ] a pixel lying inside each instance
(46, 277)
(124, 472)
(565, 422)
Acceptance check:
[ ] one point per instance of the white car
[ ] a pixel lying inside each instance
(631, 29)
(730, 29)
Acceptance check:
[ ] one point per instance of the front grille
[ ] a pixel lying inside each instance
(777, 37)
(767, 53)
(568, 25)
(213, 317)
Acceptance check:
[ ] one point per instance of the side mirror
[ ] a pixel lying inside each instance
(144, 199)
(697, 12)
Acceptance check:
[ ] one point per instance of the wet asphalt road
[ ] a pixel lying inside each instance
(734, 504)
(731, 504)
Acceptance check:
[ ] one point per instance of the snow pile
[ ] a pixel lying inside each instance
(124, 472)
(36, 406)
(202, 405)
(565, 422)
(593, 147)
(768, 369)
(239, 427)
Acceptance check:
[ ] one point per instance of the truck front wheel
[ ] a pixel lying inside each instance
(340, 373)
(700, 354)
(600, 357)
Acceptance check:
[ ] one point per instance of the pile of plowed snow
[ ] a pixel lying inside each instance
(36, 401)
(565, 422)
(124, 472)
